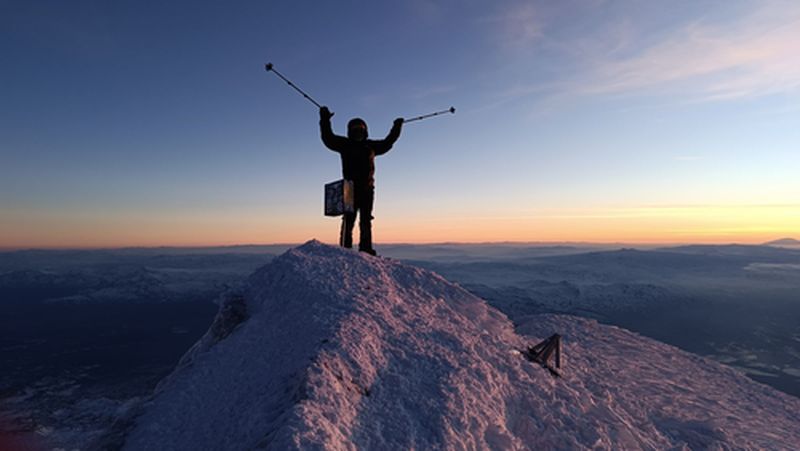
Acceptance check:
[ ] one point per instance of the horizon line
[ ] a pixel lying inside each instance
(433, 243)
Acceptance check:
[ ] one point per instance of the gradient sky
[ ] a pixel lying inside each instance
(154, 123)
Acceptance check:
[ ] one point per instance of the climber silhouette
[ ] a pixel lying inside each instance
(358, 165)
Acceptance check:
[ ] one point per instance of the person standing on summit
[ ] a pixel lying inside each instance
(358, 165)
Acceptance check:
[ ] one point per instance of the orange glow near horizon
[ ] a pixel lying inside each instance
(750, 224)
(645, 225)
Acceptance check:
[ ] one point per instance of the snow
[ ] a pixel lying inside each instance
(331, 349)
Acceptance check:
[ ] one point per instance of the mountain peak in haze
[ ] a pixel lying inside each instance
(328, 348)
(783, 242)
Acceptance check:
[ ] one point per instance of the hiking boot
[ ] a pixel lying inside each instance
(369, 251)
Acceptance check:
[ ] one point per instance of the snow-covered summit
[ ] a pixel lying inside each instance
(328, 348)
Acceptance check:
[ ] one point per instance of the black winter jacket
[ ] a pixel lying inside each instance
(358, 157)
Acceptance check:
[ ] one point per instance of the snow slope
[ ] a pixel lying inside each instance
(326, 348)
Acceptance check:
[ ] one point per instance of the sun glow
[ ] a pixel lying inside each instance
(649, 224)
(645, 224)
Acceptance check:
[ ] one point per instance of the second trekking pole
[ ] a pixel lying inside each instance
(425, 116)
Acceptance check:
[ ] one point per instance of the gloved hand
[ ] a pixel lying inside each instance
(398, 122)
(325, 114)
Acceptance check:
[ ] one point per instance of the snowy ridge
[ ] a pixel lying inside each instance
(327, 348)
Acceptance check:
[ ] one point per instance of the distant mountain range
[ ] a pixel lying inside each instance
(783, 242)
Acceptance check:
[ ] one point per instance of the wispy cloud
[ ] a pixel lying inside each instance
(759, 56)
(520, 24)
(723, 212)
(433, 91)
(751, 55)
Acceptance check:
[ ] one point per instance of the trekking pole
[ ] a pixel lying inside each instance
(425, 116)
(271, 68)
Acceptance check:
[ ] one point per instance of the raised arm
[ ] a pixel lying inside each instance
(384, 145)
(334, 142)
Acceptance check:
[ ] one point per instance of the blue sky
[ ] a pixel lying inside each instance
(150, 123)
